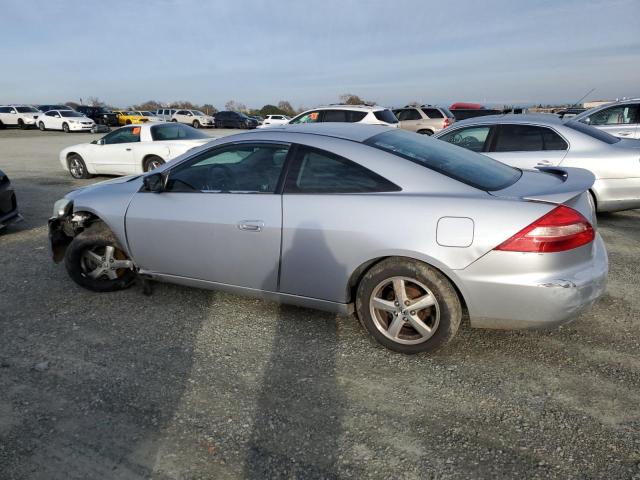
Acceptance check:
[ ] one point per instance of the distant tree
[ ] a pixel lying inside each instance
(300, 109)
(148, 105)
(181, 104)
(208, 109)
(95, 102)
(285, 107)
(73, 105)
(235, 106)
(272, 110)
(351, 99)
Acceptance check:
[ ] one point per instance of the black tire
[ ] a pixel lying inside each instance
(447, 312)
(65, 127)
(21, 124)
(77, 167)
(41, 126)
(2, 126)
(128, 122)
(96, 239)
(151, 162)
(195, 124)
(174, 120)
(425, 132)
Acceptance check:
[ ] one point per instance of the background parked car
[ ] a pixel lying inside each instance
(165, 113)
(273, 120)
(65, 120)
(463, 110)
(570, 112)
(8, 202)
(100, 115)
(367, 114)
(195, 118)
(229, 119)
(426, 120)
(131, 149)
(621, 119)
(129, 117)
(46, 108)
(532, 141)
(22, 116)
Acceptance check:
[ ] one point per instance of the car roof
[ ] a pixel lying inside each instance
(544, 118)
(357, 132)
(361, 108)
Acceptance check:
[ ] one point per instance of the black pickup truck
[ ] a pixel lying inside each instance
(100, 115)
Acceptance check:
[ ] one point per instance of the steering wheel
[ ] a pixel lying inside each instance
(220, 177)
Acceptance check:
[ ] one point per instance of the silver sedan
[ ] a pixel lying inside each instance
(405, 230)
(529, 141)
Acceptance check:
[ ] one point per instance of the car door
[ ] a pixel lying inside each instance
(527, 146)
(219, 218)
(4, 115)
(619, 120)
(113, 153)
(53, 120)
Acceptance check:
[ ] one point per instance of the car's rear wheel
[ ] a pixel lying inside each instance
(425, 132)
(95, 260)
(41, 126)
(408, 306)
(77, 167)
(65, 127)
(128, 122)
(174, 120)
(2, 126)
(152, 162)
(21, 124)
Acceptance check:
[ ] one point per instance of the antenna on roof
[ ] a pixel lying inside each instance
(583, 97)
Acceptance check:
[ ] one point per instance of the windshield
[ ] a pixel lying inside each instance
(26, 109)
(70, 113)
(176, 131)
(198, 112)
(386, 116)
(458, 163)
(592, 132)
(148, 114)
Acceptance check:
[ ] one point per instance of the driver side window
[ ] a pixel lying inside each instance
(472, 138)
(240, 169)
(123, 135)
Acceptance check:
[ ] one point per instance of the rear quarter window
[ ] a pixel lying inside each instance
(460, 164)
(385, 115)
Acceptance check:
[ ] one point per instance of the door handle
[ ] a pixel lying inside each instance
(624, 134)
(251, 225)
(128, 149)
(544, 162)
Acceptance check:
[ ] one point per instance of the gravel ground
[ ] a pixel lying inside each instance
(194, 384)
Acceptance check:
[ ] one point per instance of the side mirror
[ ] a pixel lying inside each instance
(154, 182)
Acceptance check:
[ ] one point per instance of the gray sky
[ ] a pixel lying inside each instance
(309, 52)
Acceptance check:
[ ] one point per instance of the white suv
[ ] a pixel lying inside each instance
(373, 115)
(22, 116)
(195, 118)
(271, 120)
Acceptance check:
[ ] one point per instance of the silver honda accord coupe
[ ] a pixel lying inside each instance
(405, 230)
(528, 141)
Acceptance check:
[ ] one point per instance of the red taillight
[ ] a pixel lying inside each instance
(561, 229)
(445, 122)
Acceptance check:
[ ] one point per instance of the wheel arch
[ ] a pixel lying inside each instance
(148, 155)
(356, 276)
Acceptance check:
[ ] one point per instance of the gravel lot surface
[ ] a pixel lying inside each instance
(195, 384)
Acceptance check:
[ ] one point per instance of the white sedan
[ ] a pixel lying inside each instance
(195, 118)
(132, 149)
(65, 120)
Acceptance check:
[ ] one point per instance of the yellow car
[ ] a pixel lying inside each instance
(127, 118)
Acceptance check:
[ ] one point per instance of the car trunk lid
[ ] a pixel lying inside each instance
(555, 185)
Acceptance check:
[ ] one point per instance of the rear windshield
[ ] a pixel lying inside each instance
(26, 109)
(458, 163)
(592, 132)
(386, 116)
(447, 112)
(175, 131)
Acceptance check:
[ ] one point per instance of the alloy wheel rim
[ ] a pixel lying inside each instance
(76, 168)
(104, 263)
(404, 310)
(153, 164)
